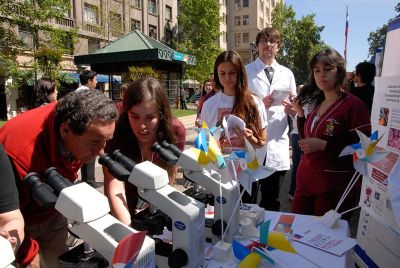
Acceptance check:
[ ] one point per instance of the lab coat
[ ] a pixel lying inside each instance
(277, 147)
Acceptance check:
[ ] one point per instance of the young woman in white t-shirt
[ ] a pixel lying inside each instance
(234, 97)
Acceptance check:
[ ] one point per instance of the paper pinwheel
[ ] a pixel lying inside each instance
(248, 169)
(128, 249)
(251, 255)
(364, 152)
(207, 152)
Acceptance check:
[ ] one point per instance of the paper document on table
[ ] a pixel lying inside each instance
(279, 95)
(337, 245)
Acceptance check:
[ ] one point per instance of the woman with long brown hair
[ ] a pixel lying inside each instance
(235, 98)
(146, 118)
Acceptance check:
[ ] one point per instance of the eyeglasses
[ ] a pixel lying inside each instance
(270, 42)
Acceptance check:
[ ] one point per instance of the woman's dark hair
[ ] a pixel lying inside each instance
(310, 93)
(44, 87)
(136, 92)
(244, 105)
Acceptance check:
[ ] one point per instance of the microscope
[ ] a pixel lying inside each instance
(7, 253)
(87, 210)
(187, 214)
(225, 205)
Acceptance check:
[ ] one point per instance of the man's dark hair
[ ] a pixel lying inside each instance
(270, 33)
(366, 71)
(86, 75)
(80, 108)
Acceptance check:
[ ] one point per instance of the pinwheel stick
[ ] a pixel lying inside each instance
(351, 184)
(231, 218)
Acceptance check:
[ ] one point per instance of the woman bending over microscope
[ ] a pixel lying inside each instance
(145, 119)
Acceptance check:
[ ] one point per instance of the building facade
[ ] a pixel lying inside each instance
(245, 19)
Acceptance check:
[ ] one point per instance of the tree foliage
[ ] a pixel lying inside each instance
(300, 40)
(200, 21)
(49, 43)
(134, 73)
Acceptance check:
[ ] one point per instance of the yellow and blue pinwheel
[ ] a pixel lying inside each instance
(251, 255)
(364, 152)
(208, 150)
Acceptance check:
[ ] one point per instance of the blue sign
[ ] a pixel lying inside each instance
(180, 56)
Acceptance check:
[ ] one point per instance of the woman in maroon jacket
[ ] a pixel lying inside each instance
(322, 175)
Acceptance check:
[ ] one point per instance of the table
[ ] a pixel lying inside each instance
(321, 258)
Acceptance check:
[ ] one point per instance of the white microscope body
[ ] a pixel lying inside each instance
(7, 253)
(211, 180)
(187, 214)
(87, 210)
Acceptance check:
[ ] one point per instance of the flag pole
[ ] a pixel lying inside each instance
(346, 31)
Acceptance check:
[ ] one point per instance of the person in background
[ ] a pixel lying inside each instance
(234, 97)
(122, 90)
(11, 220)
(182, 98)
(323, 176)
(266, 75)
(44, 92)
(63, 135)
(207, 88)
(363, 78)
(146, 118)
(88, 80)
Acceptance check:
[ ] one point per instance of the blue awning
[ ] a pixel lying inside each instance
(101, 78)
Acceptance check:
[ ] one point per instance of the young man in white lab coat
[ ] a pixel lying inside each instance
(272, 85)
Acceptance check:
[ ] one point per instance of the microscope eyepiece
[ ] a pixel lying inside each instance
(124, 160)
(116, 169)
(165, 154)
(56, 180)
(41, 192)
(172, 147)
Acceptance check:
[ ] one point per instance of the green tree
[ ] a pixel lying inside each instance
(200, 21)
(301, 39)
(30, 15)
(377, 39)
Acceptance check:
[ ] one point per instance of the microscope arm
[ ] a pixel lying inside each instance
(187, 214)
(209, 179)
(88, 213)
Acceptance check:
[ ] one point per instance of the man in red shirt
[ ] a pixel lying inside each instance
(63, 135)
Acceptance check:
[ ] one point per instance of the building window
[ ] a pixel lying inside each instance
(224, 36)
(90, 14)
(261, 5)
(261, 22)
(224, 2)
(135, 3)
(152, 7)
(27, 37)
(273, 3)
(237, 40)
(153, 31)
(93, 45)
(245, 3)
(136, 25)
(168, 37)
(245, 37)
(246, 20)
(237, 20)
(168, 12)
(237, 4)
(116, 24)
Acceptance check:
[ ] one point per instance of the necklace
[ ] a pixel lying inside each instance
(324, 106)
(146, 156)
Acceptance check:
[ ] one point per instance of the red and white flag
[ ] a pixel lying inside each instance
(346, 31)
